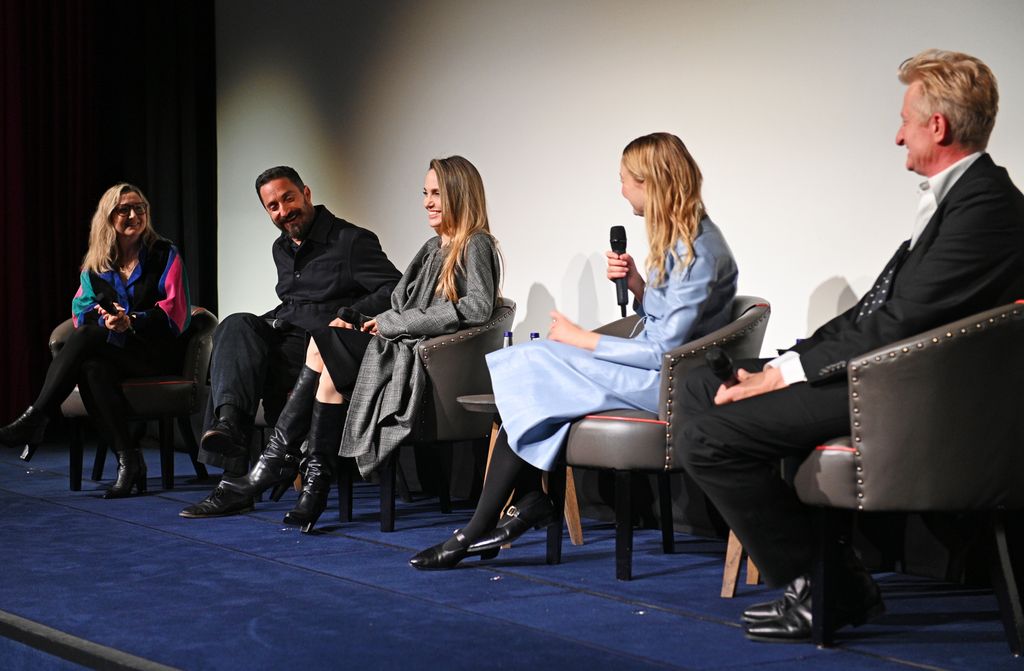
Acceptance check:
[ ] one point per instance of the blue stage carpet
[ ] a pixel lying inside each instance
(249, 592)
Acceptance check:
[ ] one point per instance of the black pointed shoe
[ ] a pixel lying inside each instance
(533, 510)
(448, 554)
(131, 474)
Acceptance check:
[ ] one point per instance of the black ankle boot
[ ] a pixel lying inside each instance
(131, 473)
(229, 433)
(324, 440)
(26, 430)
(279, 463)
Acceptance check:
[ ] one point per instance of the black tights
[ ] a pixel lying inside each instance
(507, 472)
(98, 368)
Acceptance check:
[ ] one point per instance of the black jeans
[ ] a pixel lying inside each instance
(251, 361)
(98, 368)
(734, 453)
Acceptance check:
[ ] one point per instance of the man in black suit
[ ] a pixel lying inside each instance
(325, 266)
(966, 254)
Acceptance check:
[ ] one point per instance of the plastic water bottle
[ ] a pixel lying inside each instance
(534, 335)
(508, 339)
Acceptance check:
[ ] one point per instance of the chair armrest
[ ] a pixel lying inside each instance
(936, 419)
(60, 335)
(622, 328)
(199, 347)
(741, 338)
(455, 366)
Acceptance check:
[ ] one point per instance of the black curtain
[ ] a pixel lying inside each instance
(94, 93)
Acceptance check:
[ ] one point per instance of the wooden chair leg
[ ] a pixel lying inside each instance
(75, 457)
(1006, 586)
(623, 525)
(668, 530)
(387, 493)
(346, 466)
(572, 509)
(733, 562)
(167, 452)
(557, 491)
(753, 574)
(185, 426)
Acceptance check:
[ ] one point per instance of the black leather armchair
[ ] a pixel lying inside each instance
(936, 426)
(166, 398)
(631, 442)
(455, 367)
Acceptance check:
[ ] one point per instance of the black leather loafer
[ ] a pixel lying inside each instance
(437, 558)
(770, 610)
(535, 510)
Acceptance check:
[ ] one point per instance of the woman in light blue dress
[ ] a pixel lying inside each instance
(542, 386)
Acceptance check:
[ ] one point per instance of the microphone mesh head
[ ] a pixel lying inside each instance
(618, 239)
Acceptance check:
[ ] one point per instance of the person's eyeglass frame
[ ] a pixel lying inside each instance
(126, 209)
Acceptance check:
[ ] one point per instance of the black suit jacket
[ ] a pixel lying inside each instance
(338, 265)
(970, 257)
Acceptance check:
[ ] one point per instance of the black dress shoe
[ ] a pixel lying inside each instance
(854, 606)
(220, 503)
(448, 554)
(533, 510)
(770, 610)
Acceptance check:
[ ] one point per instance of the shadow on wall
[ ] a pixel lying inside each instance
(536, 314)
(832, 297)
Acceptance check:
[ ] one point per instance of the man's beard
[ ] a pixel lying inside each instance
(298, 228)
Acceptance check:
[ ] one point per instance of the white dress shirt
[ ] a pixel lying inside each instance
(930, 193)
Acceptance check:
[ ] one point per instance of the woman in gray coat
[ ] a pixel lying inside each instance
(365, 368)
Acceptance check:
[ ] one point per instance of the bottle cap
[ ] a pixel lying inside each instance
(534, 335)
(508, 334)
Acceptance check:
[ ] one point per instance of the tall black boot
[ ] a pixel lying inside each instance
(131, 472)
(324, 441)
(26, 430)
(279, 463)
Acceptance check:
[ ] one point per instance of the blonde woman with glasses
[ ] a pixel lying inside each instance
(130, 310)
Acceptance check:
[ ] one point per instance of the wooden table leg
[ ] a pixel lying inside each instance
(572, 509)
(733, 562)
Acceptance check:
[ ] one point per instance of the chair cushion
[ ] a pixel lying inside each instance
(829, 476)
(168, 395)
(617, 439)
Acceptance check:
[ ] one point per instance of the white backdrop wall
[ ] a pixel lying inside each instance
(790, 108)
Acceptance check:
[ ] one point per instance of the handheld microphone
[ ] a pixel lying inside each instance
(618, 243)
(721, 365)
(353, 317)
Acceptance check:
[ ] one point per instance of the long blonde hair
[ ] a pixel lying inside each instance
(102, 253)
(673, 207)
(463, 213)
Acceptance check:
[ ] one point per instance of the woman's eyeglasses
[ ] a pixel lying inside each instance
(126, 210)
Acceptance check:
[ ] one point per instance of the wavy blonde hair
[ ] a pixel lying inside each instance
(102, 253)
(960, 88)
(673, 207)
(463, 213)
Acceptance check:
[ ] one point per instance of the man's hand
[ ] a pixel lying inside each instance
(370, 326)
(340, 323)
(118, 322)
(565, 331)
(750, 384)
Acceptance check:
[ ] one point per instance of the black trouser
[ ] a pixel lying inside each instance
(734, 453)
(98, 368)
(251, 361)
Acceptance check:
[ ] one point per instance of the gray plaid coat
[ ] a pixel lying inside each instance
(391, 381)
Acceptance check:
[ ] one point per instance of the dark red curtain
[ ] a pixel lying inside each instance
(97, 92)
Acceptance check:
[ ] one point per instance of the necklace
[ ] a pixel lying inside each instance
(127, 269)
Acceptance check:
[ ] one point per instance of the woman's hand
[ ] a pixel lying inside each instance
(118, 322)
(370, 326)
(565, 331)
(622, 265)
